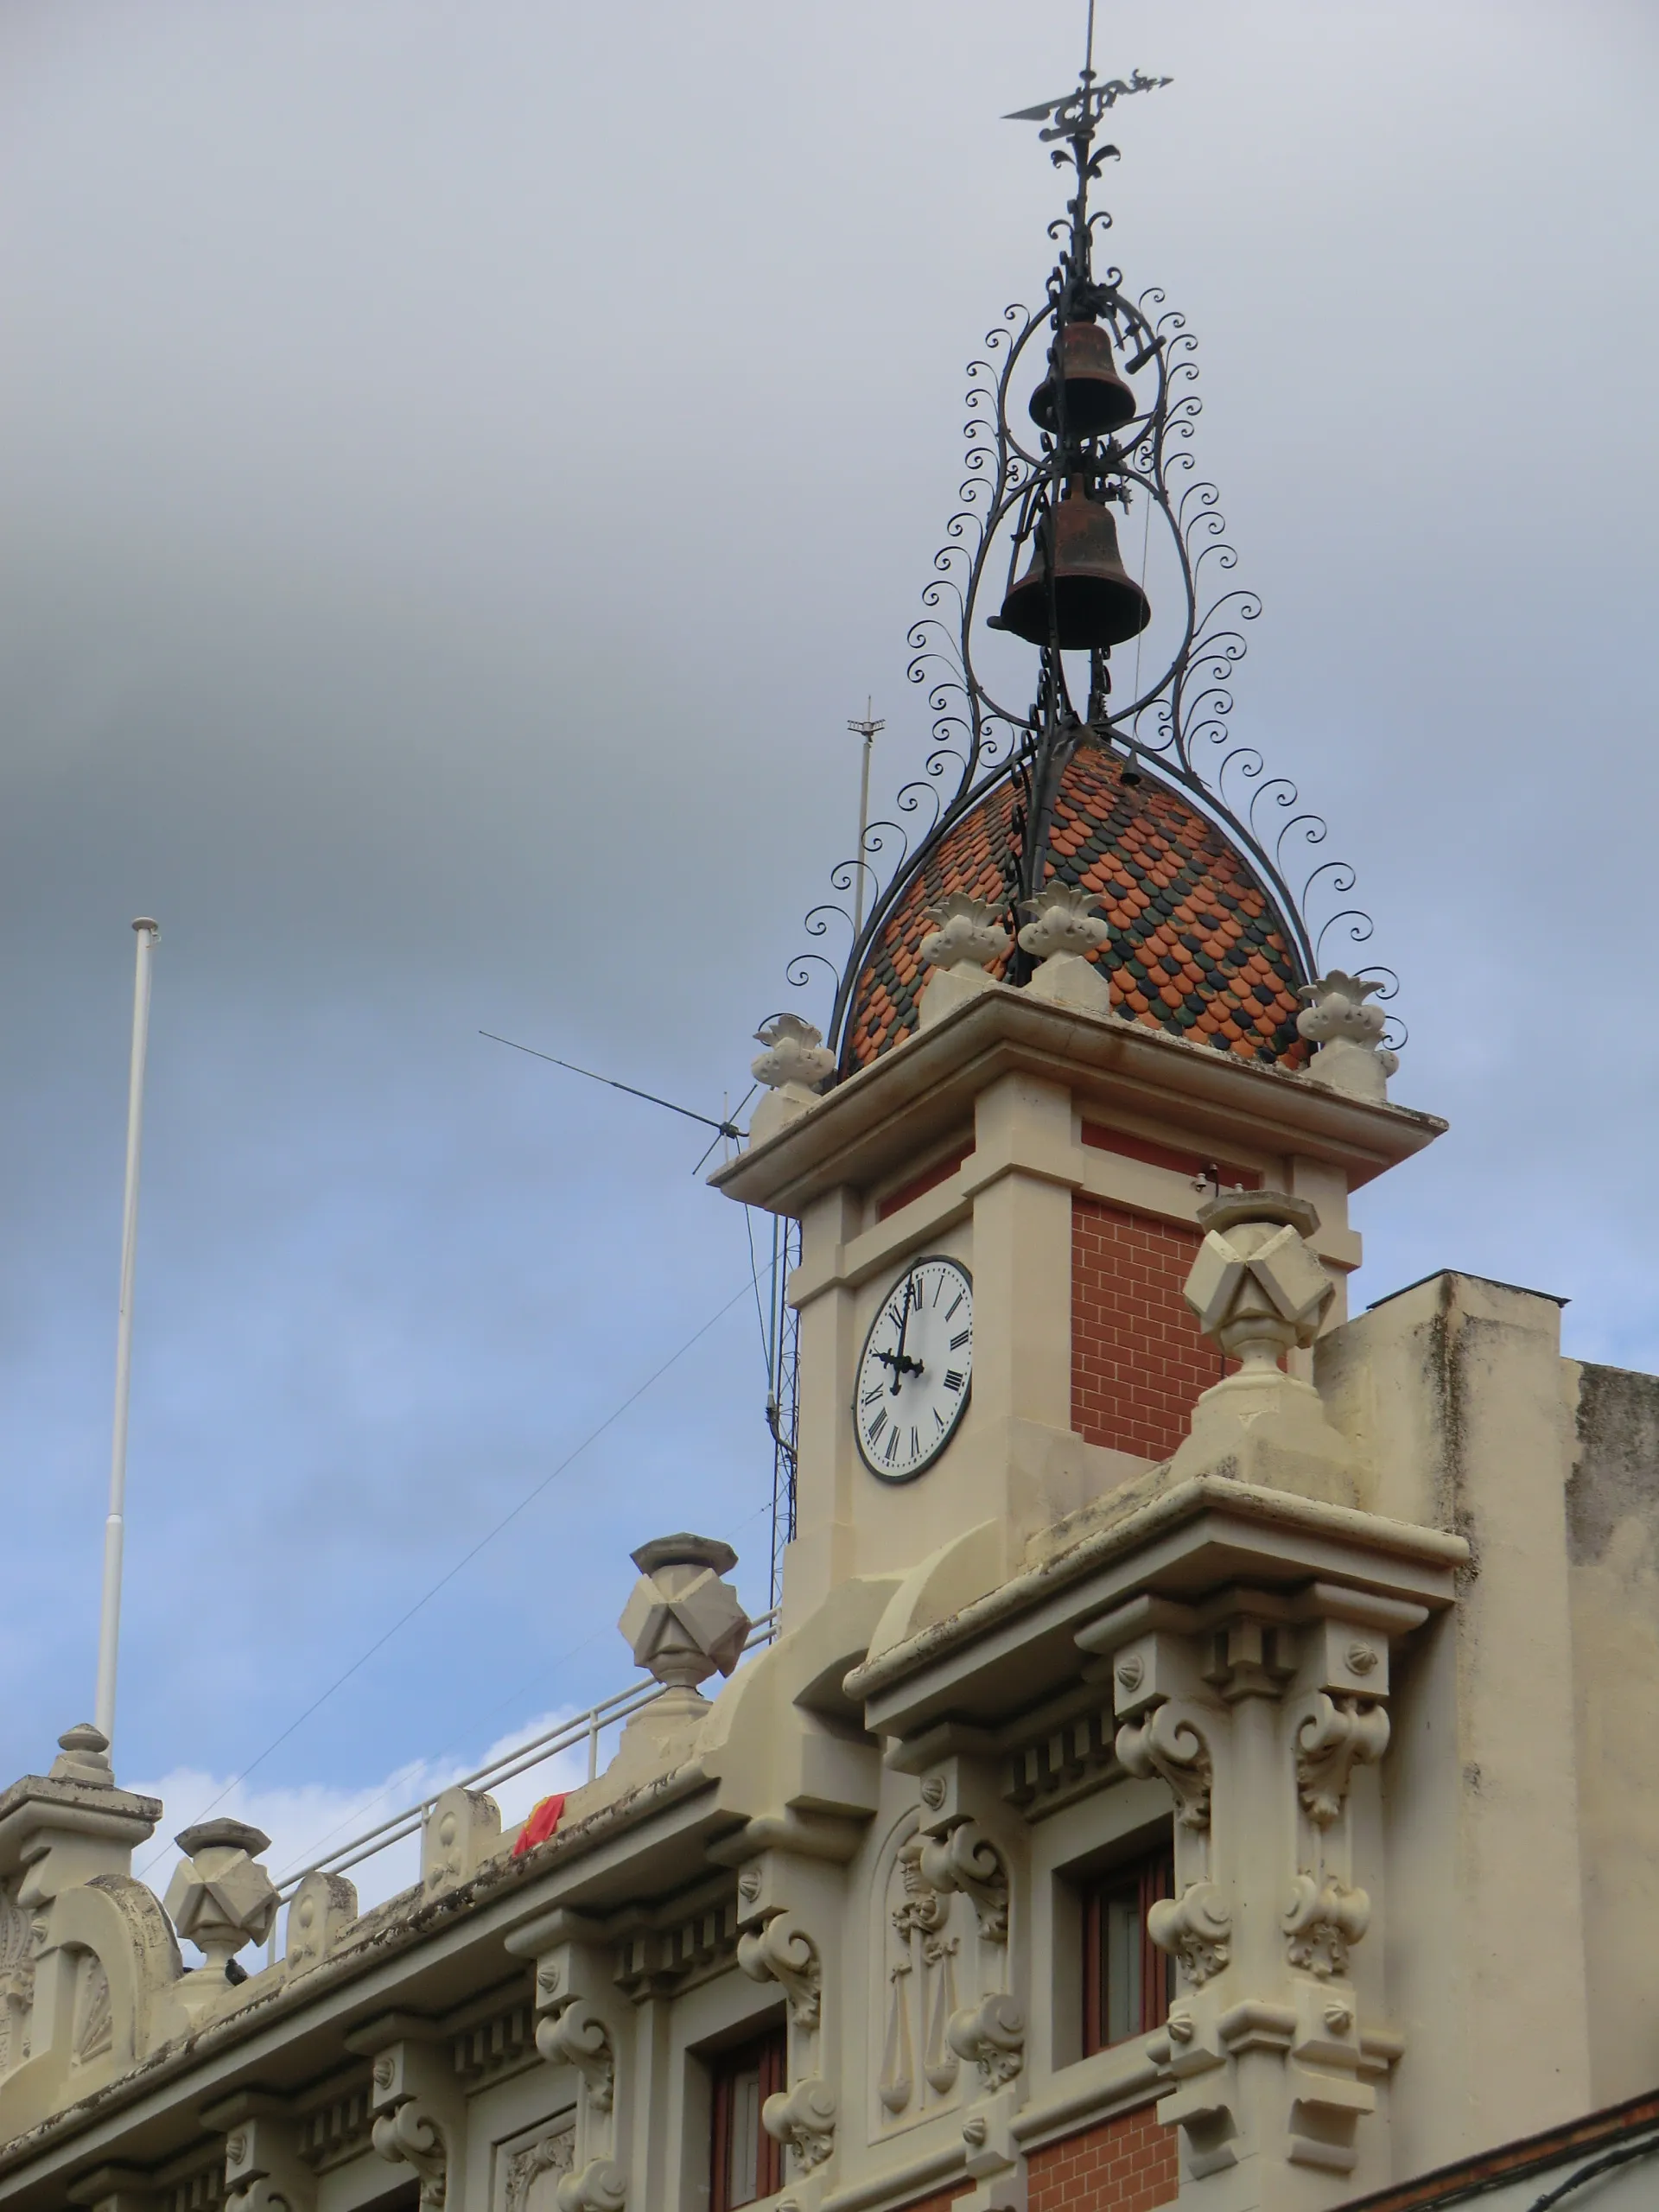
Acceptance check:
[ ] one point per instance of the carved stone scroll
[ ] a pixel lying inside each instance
(1171, 1744)
(411, 2135)
(1194, 1928)
(780, 1950)
(993, 2035)
(802, 2119)
(1339, 1735)
(968, 1860)
(577, 2037)
(1323, 1920)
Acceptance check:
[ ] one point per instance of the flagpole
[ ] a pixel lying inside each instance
(867, 729)
(109, 1633)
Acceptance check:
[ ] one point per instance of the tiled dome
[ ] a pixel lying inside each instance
(1197, 947)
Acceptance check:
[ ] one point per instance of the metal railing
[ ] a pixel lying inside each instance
(580, 1727)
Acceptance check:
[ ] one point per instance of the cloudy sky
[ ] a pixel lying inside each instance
(461, 466)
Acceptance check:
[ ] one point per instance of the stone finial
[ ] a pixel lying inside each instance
(681, 1620)
(83, 1756)
(1255, 1285)
(219, 1898)
(1063, 930)
(795, 1062)
(1351, 1056)
(1258, 1289)
(64, 1827)
(966, 938)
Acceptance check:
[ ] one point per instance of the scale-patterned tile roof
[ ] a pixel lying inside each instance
(1196, 948)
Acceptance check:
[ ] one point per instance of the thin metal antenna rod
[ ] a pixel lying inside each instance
(865, 729)
(108, 1634)
(722, 1129)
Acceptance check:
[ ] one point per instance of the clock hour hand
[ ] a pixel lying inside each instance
(902, 1365)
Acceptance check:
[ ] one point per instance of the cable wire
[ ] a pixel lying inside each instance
(464, 1560)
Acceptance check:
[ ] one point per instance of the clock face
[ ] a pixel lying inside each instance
(916, 1370)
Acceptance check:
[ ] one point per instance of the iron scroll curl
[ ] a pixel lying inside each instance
(1174, 727)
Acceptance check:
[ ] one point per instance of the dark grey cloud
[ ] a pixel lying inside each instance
(460, 469)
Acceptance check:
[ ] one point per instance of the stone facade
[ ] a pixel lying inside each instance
(1363, 1655)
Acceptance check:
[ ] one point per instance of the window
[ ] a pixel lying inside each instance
(1127, 1980)
(746, 2163)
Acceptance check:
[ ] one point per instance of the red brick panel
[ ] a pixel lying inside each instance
(1162, 1155)
(1138, 1363)
(1127, 2165)
(929, 1180)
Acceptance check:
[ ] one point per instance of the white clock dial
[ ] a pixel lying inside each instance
(916, 1370)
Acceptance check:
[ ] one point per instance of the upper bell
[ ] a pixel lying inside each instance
(1097, 602)
(1096, 399)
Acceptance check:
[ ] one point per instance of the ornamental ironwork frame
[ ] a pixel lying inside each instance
(1175, 728)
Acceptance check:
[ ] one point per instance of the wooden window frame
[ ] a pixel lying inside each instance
(766, 2054)
(1144, 1878)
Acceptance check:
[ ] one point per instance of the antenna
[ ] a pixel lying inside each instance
(108, 1632)
(724, 1128)
(865, 729)
(779, 1322)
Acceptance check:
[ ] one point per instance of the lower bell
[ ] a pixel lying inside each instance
(1096, 399)
(1097, 602)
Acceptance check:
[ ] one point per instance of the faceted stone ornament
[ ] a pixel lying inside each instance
(219, 1897)
(1259, 1291)
(682, 1622)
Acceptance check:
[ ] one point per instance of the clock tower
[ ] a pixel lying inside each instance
(1087, 1004)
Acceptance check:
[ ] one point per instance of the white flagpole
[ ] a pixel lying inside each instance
(109, 1635)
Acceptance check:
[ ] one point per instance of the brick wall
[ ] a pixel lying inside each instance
(1138, 1363)
(1127, 2165)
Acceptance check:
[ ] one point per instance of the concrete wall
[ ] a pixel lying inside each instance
(1612, 1528)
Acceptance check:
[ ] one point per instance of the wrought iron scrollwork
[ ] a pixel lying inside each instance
(1175, 724)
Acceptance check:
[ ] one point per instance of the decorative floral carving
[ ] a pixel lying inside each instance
(967, 932)
(968, 1860)
(1196, 1928)
(1323, 1920)
(1169, 1744)
(551, 2153)
(1064, 919)
(783, 1952)
(94, 2021)
(1352, 1055)
(803, 2118)
(795, 1054)
(411, 2136)
(1339, 1735)
(922, 1971)
(19, 1934)
(993, 2034)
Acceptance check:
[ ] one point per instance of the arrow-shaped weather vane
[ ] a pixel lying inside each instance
(1077, 114)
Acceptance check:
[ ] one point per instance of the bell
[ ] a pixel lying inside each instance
(1096, 399)
(1097, 602)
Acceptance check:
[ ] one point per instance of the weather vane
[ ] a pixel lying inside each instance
(1076, 115)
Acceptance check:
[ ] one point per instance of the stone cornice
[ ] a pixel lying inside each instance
(297, 2030)
(868, 1125)
(1001, 1648)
